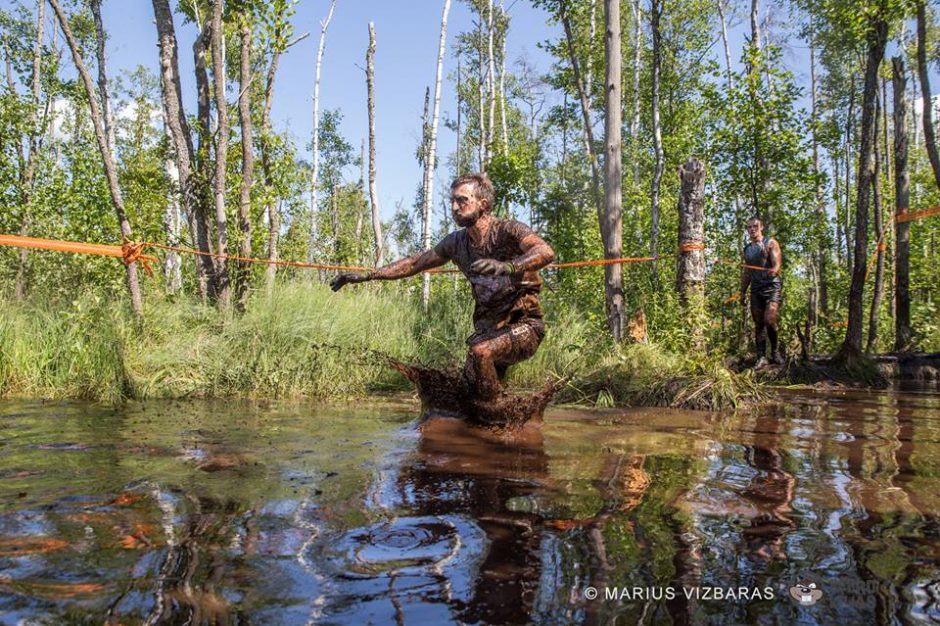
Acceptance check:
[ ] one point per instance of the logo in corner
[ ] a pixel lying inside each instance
(805, 592)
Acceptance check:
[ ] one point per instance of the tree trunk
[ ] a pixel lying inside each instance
(820, 299)
(502, 80)
(878, 291)
(181, 141)
(30, 171)
(202, 160)
(655, 15)
(902, 198)
(274, 216)
(635, 122)
(877, 38)
(585, 114)
(110, 169)
(724, 40)
(611, 224)
(481, 149)
(103, 90)
(373, 194)
(930, 138)
(248, 159)
(314, 180)
(172, 267)
(690, 277)
(431, 154)
(755, 24)
(849, 137)
(491, 81)
(221, 155)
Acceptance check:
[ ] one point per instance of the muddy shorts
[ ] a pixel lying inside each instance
(763, 295)
(526, 336)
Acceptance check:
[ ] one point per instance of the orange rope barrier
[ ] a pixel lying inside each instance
(132, 252)
(916, 215)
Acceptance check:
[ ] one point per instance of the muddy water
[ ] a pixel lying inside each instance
(193, 512)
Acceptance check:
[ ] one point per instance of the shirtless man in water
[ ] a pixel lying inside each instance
(501, 259)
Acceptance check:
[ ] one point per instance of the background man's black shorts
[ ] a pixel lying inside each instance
(763, 295)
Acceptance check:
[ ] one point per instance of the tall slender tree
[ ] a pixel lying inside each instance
(314, 177)
(248, 155)
(110, 169)
(611, 224)
(221, 154)
(378, 248)
(431, 155)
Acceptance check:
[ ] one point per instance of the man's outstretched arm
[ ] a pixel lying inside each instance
(402, 268)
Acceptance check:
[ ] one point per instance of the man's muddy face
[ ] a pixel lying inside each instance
(465, 206)
(755, 230)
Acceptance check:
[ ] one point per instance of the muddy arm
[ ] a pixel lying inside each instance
(776, 258)
(536, 254)
(403, 268)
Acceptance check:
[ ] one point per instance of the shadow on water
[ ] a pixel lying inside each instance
(229, 513)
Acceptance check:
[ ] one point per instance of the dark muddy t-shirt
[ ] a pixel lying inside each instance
(500, 300)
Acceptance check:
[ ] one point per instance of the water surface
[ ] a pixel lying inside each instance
(236, 513)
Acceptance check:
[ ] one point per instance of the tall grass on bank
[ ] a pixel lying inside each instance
(306, 341)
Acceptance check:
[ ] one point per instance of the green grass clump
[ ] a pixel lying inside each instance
(304, 341)
(645, 374)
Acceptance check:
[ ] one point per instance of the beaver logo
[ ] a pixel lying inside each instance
(805, 592)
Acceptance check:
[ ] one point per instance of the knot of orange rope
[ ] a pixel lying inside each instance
(134, 252)
(882, 246)
(691, 245)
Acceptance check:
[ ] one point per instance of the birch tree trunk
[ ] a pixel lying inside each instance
(431, 155)
(611, 225)
(274, 216)
(502, 79)
(585, 114)
(172, 267)
(820, 301)
(378, 248)
(902, 198)
(930, 138)
(181, 142)
(248, 158)
(117, 198)
(103, 90)
(878, 290)
(655, 15)
(635, 122)
(690, 277)
(491, 80)
(724, 40)
(314, 180)
(30, 171)
(481, 149)
(221, 156)
(852, 345)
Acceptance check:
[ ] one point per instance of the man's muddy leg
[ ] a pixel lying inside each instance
(760, 331)
(771, 317)
(481, 370)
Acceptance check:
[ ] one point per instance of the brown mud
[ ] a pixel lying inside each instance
(446, 392)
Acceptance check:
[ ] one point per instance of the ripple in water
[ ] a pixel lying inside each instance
(399, 545)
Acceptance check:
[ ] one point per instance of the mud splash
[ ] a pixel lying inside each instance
(446, 392)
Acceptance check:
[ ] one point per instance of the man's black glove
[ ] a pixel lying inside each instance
(492, 267)
(349, 277)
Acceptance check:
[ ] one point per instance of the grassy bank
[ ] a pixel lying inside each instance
(307, 342)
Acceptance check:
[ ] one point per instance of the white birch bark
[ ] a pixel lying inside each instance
(431, 157)
(311, 248)
(373, 194)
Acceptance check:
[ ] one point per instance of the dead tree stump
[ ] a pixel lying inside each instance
(690, 277)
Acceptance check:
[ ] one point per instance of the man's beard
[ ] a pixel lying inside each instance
(467, 221)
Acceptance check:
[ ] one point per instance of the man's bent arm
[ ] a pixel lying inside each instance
(536, 254)
(410, 266)
(776, 257)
